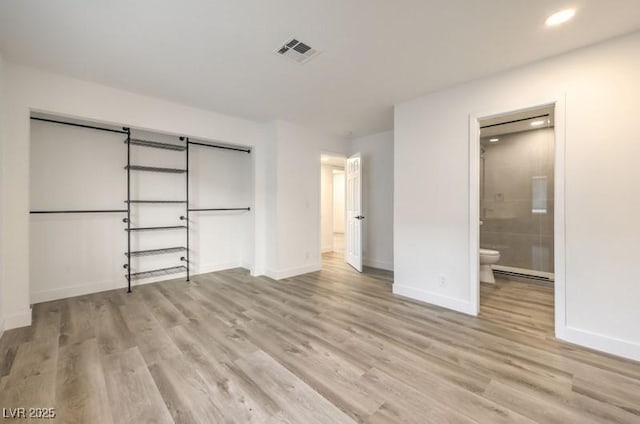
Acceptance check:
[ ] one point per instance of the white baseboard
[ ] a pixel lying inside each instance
(458, 305)
(248, 266)
(612, 345)
(205, 269)
(18, 319)
(73, 291)
(1, 326)
(374, 263)
(292, 272)
(66, 292)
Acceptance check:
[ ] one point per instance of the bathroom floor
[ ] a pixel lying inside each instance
(519, 305)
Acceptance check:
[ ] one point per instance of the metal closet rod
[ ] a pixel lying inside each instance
(220, 147)
(126, 132)
(82, 211)
(78, 125)
(220, 209)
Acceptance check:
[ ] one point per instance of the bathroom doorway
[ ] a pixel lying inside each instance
(332, 205)
(518, 200)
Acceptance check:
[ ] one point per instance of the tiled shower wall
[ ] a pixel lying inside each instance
(516, 199)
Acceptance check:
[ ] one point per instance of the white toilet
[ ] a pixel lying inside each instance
(488, 257)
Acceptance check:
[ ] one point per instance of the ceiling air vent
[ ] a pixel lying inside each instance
(297, 51)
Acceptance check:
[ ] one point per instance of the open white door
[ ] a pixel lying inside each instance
(354, 220)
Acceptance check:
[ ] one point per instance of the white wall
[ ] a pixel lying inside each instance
(377, 196)
(76, 168)
(30, 89)
(602, 148)
(326, 208)
(338, 201)
(297, 221)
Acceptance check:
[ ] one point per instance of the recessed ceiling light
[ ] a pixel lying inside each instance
(560, 17)
(493, 140)
(537, 123)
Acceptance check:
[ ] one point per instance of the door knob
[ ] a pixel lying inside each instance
(360, 217)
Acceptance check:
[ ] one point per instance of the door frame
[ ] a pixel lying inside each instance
(334, 154)
(559, 103)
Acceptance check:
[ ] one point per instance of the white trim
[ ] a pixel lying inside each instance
(81, 290)
(1, 326)
(66, 292)
(246, 265)
(435, 299)
(612, 345)
(18, 319)
(559, 237)
(474, 214)
(205, 269)
(559, 199)
(292, 272)
(374, 263)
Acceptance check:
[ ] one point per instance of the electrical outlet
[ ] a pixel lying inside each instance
(443, 280)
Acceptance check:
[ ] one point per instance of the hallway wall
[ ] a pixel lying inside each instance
(377, 197)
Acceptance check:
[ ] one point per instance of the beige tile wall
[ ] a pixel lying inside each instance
(524, 238)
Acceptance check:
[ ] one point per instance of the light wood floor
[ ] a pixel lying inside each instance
(328, 347)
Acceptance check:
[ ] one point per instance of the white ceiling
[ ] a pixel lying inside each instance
(219, 54)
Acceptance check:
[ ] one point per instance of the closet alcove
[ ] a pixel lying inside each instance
(114, 206)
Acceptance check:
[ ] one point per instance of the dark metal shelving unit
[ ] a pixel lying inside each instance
(129, 254)
(129, 141)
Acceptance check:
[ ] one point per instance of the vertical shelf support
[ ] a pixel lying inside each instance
(128, 130)
(186, 140)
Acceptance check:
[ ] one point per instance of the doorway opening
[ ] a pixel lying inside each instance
(332, 205)
(518, 199)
